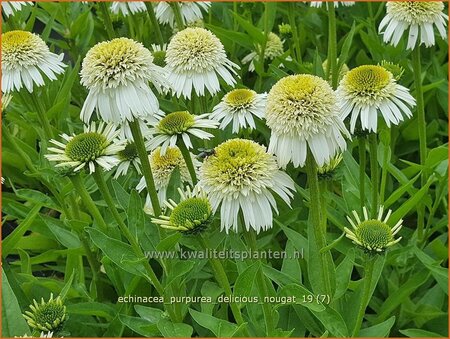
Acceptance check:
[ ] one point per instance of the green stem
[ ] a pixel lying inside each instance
(88, 202)
(177, 13)
(42, 116)
(417, 67)
(154, 22)
(152, 278)
(293, 23)
(316, 219)
(384, 171)
(145, 164)
(362, 170)
(188, 160)
(365, 297)
(261, 284)
(332, 46)
(107, 20)
(373, 150)
(222, 279)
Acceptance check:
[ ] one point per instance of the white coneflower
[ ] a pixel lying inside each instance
(10, 7)
(241, 177)
(302, 112)
(239, 106)
(25, 56)
(366, 90)
(98, 145)
(318, 4)
(274, 48)
(177, 125)
(417, 16)
(191, 215)
(128, 156)
(163, 167)
(117, 74)
(195, 59)
(128, 7)
(190, 12)
(374, 235)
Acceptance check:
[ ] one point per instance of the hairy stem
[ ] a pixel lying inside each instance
(417, 67)
(365, 297)
(332, 45)
(222, 279)
(88, 202)
(373, 149)
(145, 164)
(107, 20)
(362, 170)
(188, 160)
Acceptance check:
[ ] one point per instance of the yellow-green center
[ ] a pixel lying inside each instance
(191, 213)
(374, 234)
(176, 122)
(86, 146)
(368, 80)
(240, 97)
(15, 39)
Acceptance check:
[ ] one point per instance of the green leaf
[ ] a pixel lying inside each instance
(254, 32)
(93, 309)
(244, 282)
(411, 203)
(439, 273)
(299, 292)
(11, 240)
(342, 59)
(13, 323)
(418, 333)
(396, 298)
(140, 326)
(220, 327)
(67, 286)
(119, 252)
(344, 274)
(379, 330)
(231, 36)
(174, 330)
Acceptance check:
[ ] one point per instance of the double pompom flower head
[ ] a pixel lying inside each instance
(303, 116)
(25, 58)
(368, 90)
(417, 18)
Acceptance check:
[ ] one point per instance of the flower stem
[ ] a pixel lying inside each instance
(103, 187)
(42, 117)
(222, 279)
(316, 219)
(177, 13)
(107, 20)
(384, 170)
(365, 297)
(145, 164)
(154, 22)
(332, 45)
(416, 63)
(293, 23)
(188, 160)
(373, 150)
(261, 285)
(87, 201)
(362, 170)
